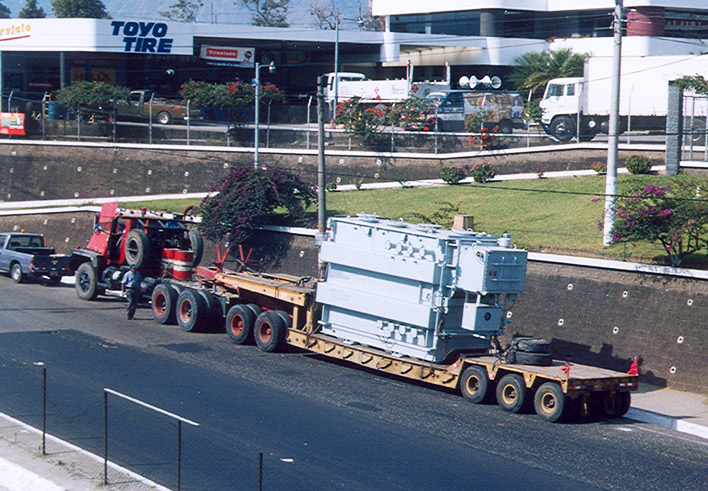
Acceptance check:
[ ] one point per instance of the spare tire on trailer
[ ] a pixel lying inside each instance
(191, 311)
(136, 247)
(164, 302)
(197, 243)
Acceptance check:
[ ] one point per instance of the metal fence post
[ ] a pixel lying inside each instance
(105, 437)
(44, 411)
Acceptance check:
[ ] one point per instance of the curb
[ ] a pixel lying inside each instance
(669, 422)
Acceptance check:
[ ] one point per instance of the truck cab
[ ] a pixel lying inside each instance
(561, 105)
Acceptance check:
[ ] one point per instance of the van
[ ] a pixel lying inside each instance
(505, 110)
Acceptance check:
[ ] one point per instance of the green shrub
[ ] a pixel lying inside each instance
(452, 175)
(482, 172)
(638, 164)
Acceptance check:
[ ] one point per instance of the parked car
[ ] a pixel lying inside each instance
(25, 256)
(164, 111)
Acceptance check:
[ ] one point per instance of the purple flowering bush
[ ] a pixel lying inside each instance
(671, 215)
(246, 198)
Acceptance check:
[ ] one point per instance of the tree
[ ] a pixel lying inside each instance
(31, 11)
(183, 11)
(268, 13)
(88, 9)
(672, 216)
(325, 14)
(4, 11)
(246, 198)
(532, 71)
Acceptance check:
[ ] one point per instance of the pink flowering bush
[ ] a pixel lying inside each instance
(671, 215)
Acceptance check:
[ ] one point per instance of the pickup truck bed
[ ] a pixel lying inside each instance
(25, 256)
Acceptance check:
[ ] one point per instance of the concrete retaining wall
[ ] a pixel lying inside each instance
(43, 170)
(591, 315)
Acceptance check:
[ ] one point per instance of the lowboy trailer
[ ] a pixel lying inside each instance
(410, 300)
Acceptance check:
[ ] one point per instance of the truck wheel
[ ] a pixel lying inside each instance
(136, 247)
(270, 331)
(506, 127)
(562, 128)
(550, 402)
(86, 282)
(163, 117)
(212, 309)
(512, 394)
(195, 239)
(164, 300)
(474, 384)
(239, 324)
(16, 273)
(191, 310)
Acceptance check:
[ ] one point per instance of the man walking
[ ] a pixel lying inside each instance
(131, 286)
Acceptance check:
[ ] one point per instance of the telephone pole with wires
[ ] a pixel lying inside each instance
(612, 145)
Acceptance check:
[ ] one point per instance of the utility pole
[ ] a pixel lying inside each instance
(611, 179)
(321, 201)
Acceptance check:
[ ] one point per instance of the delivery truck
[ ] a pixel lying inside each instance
(579, 107)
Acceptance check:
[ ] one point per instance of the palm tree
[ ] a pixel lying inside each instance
(532, 71)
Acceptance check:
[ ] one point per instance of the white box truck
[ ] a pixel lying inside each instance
(580, 106)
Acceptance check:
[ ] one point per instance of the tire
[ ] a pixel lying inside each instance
(163, 117)
(239, 324)
(285, 316)
(537, 359)
(212, 310)
(164, 301)
(506, 127)
(550, 402)
(562, 128)
(474, 384)
(136, 247)
(195, 239)
(512, 394)
(191, 311)
(16, 273)
(86, 282)
(615, 405)
(532, 345)
(269, 331)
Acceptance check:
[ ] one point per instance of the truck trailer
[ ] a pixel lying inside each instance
(415, 301)
(579, 107)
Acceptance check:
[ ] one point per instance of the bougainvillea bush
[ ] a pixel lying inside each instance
(671, 215)
(482, 172)
(357, 119)
(246, 198)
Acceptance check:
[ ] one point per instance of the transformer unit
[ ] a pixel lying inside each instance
(416, 290)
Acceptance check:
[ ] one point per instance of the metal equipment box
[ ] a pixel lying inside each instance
(416, 290)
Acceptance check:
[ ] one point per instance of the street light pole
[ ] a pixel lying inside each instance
(257, 81)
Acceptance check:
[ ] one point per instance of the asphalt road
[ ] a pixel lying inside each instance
(319, 425)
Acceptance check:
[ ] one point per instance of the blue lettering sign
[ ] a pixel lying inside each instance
(143, 37)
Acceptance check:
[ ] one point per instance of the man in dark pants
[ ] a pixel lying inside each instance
(131, 285)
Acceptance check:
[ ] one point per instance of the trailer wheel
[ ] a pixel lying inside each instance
(212, 308)
(255, 309)
(86, 282)
(136, 247)
(550, 402)
(512, 394)
(270, 331)
(16, 273)
(164, 300)
(615, 405)
(285, 316)
(197, 243)
(239, 324)
(474, 384)
(191, 310)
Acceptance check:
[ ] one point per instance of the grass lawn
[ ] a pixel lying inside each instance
(545, 215)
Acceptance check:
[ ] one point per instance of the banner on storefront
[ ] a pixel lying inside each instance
(228, 55)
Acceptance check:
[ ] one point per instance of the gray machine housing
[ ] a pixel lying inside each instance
(416, 290)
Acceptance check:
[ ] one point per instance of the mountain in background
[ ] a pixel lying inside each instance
(213, 11)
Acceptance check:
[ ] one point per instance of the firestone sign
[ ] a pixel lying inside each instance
(143, 37)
